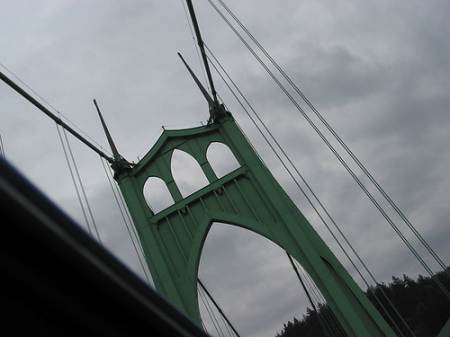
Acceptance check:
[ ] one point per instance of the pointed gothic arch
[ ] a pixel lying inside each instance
(221, 159)
(157, 194)
(248, 197)
(227, 259)
(187, 172)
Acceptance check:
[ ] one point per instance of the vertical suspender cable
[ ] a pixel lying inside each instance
(322, 323)
(325, 309)
(81, 193)
(74, 181)
(2, 148)
(128, 224)
(210, 312)
(218, 307)
(91, 215)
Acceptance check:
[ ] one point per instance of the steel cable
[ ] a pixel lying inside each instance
(333, 150)
(304, 193)
(339, 139)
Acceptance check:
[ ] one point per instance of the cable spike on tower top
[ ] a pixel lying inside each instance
(119, 162)
(216, 109)
(116, 154)
(199, 84)
(202, 49)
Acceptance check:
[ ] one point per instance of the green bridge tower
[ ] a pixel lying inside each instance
(248, 197)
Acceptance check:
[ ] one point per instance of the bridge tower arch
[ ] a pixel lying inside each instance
(249, 197)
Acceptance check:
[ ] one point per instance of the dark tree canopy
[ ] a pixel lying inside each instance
(421, 303)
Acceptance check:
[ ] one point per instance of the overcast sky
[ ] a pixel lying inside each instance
(379, 73)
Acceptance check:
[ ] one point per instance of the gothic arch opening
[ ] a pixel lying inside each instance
(157, 194)
(221, 159)
(187, 173)
(252, 280)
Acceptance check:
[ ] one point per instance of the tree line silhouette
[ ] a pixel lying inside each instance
(423, 306)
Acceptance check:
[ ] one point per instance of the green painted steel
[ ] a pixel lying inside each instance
(247, 197)
(445, 332)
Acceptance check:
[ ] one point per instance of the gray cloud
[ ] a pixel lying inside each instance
(378, 72)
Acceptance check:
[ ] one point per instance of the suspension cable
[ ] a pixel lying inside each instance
(218, 307)
(78, 184)
(125, 211)
(127, 223)
(56, 119)
(319, 317)
(83, 191)
(337, 155)
(339, 139)
(74, 181)
(2, 148)
(327, 312)
(210, 312)
(200, 294)
(320, 300)
(195, 44)
(303, 192)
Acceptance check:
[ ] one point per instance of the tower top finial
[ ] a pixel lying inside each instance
(119, 162)
(215, 106)
(215, 110)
